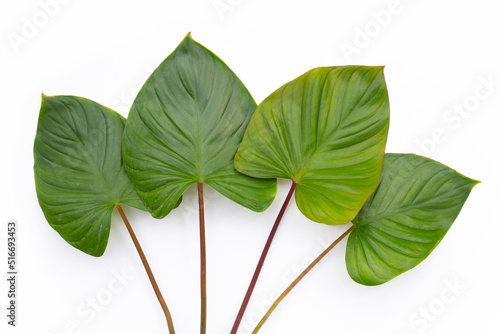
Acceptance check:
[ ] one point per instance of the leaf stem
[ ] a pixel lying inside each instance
(256, 274)
(299, 278)
(203, 261)
(148, 270)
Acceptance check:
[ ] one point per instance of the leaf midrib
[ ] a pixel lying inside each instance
(328, 138)
(403, 210)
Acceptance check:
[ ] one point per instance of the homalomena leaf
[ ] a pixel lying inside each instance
(79, 173)
(417, 201)
(185, 126)
(325, 130)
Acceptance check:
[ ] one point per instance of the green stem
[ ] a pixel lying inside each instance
(148, 270)
(203, 261)
(299, 278)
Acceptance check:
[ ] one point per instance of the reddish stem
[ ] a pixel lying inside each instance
(256, 274)
(203, 261)
(148, 270)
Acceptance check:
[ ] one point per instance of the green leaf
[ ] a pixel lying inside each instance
(325, 130)
(79, 173)
(185, 126)
(417, 201)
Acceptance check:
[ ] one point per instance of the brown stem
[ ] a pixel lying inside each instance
(203, 261)
(256, 274)
(148, 270)
(299, 278)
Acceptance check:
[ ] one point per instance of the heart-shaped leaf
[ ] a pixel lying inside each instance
(185, 126)
(79, 173)
(325, 130)
(417, 201)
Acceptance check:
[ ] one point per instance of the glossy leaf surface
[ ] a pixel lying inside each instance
(79, 173)
(326, 130)
(417, 201)
(185, 126)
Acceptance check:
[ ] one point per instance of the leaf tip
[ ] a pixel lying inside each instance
(380, 69)
(188, 41)
(46, 97)
(188, 37)
(474, 183)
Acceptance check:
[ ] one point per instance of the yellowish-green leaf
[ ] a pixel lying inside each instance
(325, 130)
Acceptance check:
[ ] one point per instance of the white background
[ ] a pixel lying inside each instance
(437, 56)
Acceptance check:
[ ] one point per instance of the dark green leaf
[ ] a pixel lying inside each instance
(185, 127)
(417, 201)
(79, 173)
